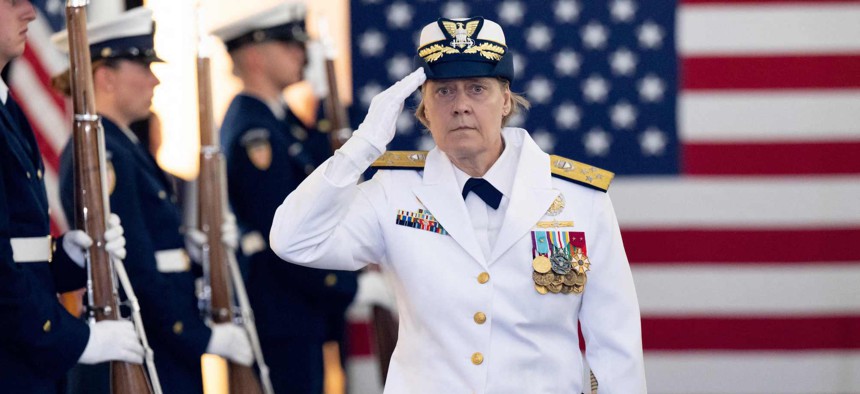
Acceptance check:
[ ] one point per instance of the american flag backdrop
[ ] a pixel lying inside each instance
(734, 128)
(48, 112)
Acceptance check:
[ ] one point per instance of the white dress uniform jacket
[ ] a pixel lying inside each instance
(525, 342)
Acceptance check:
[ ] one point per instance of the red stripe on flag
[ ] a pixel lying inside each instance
(766, 333)
(50, 157)
(726, 246)
(773, 72)
(45, 79)
(761, 159)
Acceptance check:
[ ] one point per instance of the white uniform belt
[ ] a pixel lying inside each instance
(172, 260)
(31, 249)
(252, 243)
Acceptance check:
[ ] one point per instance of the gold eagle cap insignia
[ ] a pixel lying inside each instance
(451, 27)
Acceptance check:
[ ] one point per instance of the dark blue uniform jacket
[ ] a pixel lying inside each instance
(145, 202)
(294, 306)
(39, 340)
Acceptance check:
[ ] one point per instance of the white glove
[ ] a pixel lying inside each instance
(380, 123)
(230, 232)
(230, 341)
(76, 241)
(195, 239)
(112, 340)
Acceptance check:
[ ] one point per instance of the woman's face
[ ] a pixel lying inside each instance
(465, 115)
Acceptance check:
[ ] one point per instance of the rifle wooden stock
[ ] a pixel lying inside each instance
(334, 109)
(242, 379)
(91, 208)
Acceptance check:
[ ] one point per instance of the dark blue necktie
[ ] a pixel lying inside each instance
(484, 190)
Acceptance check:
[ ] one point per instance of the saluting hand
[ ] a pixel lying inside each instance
(380, 123)
(76, 241)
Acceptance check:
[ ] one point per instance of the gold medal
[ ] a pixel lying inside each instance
(541, 289)
(554, 288)
(578, 289)
(541, 264)
(570, 278)
(541, 279)
(566, 289)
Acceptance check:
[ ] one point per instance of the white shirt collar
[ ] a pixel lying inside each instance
(4, 91)
(501, 173)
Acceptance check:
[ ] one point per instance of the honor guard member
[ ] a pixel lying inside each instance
(158, 263)
(39, 340)
(269, 151)
(499, 250)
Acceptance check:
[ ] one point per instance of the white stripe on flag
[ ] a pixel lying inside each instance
(39, 34)
(830, 201)
(747, 290)
(768, 29)
(740, 116)
(820, 372)
(41, 108)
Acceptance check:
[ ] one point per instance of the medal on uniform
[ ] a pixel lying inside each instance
(557, 206)
(559, 262)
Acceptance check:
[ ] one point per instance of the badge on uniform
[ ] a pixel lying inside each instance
(258, 147)
(559, 261)
(422, 220)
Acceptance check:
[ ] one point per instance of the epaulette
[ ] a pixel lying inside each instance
(581, 173)
(401, 160)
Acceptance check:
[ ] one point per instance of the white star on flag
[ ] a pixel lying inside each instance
(539, 90)
(539, 37)
(623, 62)
(455, 9)
(650, 35)
(400, 15)
(398, 67)
(544, 139)
(653, 142)
(566, 11)
(651, 88)
(567, 116)
(623, 10)
(511, 12)
(567, 63)
(595, 89)
(597, 142)
(594, 35)
(623, 115)
(371, 43)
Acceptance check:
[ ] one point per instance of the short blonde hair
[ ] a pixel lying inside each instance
(518, 103)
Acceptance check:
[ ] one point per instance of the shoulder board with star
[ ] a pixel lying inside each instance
(581, 173)
(401, 160)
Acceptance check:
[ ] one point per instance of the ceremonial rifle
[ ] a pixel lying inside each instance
(335, 112)
(92, 209)
(219, 262)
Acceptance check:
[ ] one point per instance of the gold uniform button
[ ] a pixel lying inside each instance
(162, 194)
(47, 326)
(483, 277)
(477, 358)
(480, 318)
(39, 173)
(178, 327)
(28, 175)
(330, 280)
